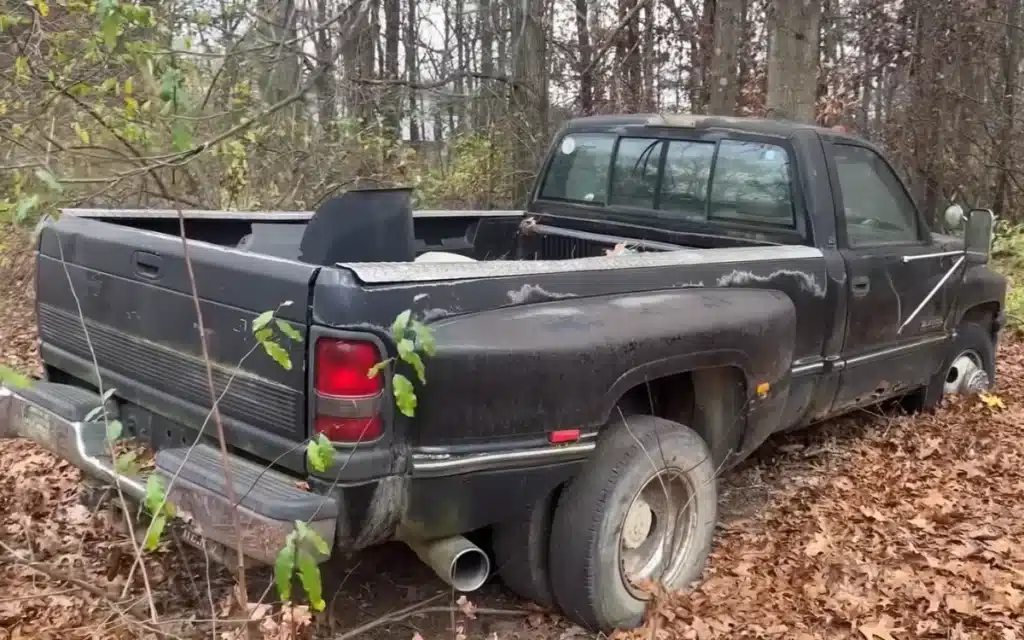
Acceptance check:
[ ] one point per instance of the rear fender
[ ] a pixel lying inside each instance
(524, 371)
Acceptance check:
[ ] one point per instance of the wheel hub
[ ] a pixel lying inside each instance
(656, 531)
(637, 526)
(966, 375)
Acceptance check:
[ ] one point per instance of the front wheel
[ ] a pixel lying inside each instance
(969, 367)
(643, 509)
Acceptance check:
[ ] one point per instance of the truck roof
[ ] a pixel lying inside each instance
(762, 126)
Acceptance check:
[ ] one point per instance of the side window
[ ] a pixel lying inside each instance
(635, 174)
(877, 208)
(684, 186)
(752, 183)
(578, 172)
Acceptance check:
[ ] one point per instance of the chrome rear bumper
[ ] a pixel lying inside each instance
(53, 416)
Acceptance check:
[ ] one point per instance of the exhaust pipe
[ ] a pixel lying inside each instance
(455, 560)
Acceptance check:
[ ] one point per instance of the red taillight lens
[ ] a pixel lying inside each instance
(342, 368)
(350, 430)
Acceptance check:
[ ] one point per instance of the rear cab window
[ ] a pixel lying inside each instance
(726, 182)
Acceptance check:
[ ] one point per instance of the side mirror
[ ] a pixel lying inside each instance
(978, 235)
(954, 216)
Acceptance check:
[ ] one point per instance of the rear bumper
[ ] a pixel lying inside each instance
(269, 502)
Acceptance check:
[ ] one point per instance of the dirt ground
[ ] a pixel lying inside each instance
(873, 526)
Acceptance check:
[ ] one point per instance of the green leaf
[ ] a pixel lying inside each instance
(264, 334)
(156, 529)
(181, 136)
(320, 453)
(113, 430)
(11, 378)
(154, 493)
(21, 68)
(109, 26)
(309, 575)
(401, 323)
(127, 464)
(25, 207)
(262, 320)
(288, 330)
(405, 395)
(416, 362)
(308, 535)
(376, 369)
(284, 567)
(47, 178)
(424, 337)
(278, 353)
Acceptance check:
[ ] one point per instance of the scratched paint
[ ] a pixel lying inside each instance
(535, 293)
(807, 281)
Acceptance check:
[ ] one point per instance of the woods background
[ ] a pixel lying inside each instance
(278, 104)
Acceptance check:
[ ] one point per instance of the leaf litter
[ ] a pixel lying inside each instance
(874, 526)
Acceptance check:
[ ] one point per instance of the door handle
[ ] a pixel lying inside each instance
(147, 264)
(861, 286)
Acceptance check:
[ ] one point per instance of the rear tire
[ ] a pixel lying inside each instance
(521, 553)
(639, 470)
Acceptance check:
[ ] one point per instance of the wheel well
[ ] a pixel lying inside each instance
(709, 401)
(984, 315)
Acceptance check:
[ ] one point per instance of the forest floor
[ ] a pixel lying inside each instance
(875, 526)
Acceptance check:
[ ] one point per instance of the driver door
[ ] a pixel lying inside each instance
(891, 267)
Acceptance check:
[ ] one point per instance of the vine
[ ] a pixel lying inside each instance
(412, 338)
(298, 555)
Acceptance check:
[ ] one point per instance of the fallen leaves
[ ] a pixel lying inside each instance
(904, 528)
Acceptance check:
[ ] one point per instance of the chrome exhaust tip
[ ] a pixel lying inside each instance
(456, 560)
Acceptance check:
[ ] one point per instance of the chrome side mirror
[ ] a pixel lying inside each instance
(978, 235)
(954, 216)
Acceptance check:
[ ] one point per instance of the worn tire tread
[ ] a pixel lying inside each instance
(581, 507)
(521, 553)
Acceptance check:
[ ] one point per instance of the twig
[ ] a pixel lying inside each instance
(57, 574)
(106, 421)
(421, 608)
(35, 596)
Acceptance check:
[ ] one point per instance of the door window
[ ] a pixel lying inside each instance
(877, 209)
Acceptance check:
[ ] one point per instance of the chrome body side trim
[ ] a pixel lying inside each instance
(897, 349)
(432, 465)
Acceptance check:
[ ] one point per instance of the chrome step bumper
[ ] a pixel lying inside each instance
(269, 502)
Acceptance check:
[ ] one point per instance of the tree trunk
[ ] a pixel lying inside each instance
(586, 56)
(412, 68)
(1011, 71)
(392, 98)
(722, 75)
(529, 92)
(793, 59)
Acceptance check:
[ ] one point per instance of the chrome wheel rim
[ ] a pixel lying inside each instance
(655, 534)
(966, 374)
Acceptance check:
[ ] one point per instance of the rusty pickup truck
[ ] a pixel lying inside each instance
(677, 289)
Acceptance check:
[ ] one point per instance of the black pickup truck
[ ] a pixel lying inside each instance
(678, 289)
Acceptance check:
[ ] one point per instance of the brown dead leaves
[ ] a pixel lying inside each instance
(906, 528)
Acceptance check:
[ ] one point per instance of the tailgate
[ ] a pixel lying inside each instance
(134, 293)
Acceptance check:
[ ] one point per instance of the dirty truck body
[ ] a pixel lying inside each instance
(831, 294)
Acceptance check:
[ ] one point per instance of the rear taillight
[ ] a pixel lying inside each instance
(348, 400)
(343, 367)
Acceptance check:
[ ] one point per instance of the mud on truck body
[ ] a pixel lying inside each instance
(678, 289)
